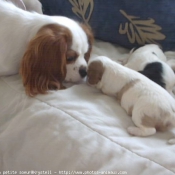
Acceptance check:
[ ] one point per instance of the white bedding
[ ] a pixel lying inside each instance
(77, 129)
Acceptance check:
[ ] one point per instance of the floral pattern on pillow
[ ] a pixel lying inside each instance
(83, 9)
(140, 31)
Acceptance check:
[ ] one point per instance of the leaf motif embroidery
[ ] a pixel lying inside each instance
(83, 9)
(141, 31)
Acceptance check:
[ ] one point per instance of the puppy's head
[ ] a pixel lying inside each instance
(57, 53)
(95, 72)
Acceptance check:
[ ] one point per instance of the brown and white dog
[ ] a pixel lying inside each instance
(47, 50)
(151, 107)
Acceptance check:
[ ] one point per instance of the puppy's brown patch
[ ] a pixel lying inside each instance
(95, 72)
(126, 88)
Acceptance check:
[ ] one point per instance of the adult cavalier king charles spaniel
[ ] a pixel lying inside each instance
(47, 50)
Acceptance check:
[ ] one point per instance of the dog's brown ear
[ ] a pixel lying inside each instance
(95, 72)
(43, 66)
(90, 37)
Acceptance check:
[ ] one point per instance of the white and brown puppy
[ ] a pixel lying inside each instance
(151, 107)
(50, 50)
(151, 62)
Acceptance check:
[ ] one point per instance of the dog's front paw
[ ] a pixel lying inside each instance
(133, 130)
(143, 131)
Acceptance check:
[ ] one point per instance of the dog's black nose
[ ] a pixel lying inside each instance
(82, 71)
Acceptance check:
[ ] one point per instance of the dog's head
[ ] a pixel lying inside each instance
(95, 72)
(58, 52)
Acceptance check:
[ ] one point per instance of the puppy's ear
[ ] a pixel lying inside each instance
(43, 66)
(90, 37)
(95, 72)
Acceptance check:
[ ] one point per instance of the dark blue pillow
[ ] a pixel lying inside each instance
(129, 23)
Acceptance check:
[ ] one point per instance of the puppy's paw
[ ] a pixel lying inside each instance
(143, 131)
(133, 131)
(171, 141)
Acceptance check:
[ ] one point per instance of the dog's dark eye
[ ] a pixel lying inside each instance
(71, 59)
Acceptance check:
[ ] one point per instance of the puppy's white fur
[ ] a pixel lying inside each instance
(144, 97)
(150, 53)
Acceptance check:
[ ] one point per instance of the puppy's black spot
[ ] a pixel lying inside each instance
(154, 71)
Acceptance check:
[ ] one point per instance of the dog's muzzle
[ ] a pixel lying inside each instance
(82, 71)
